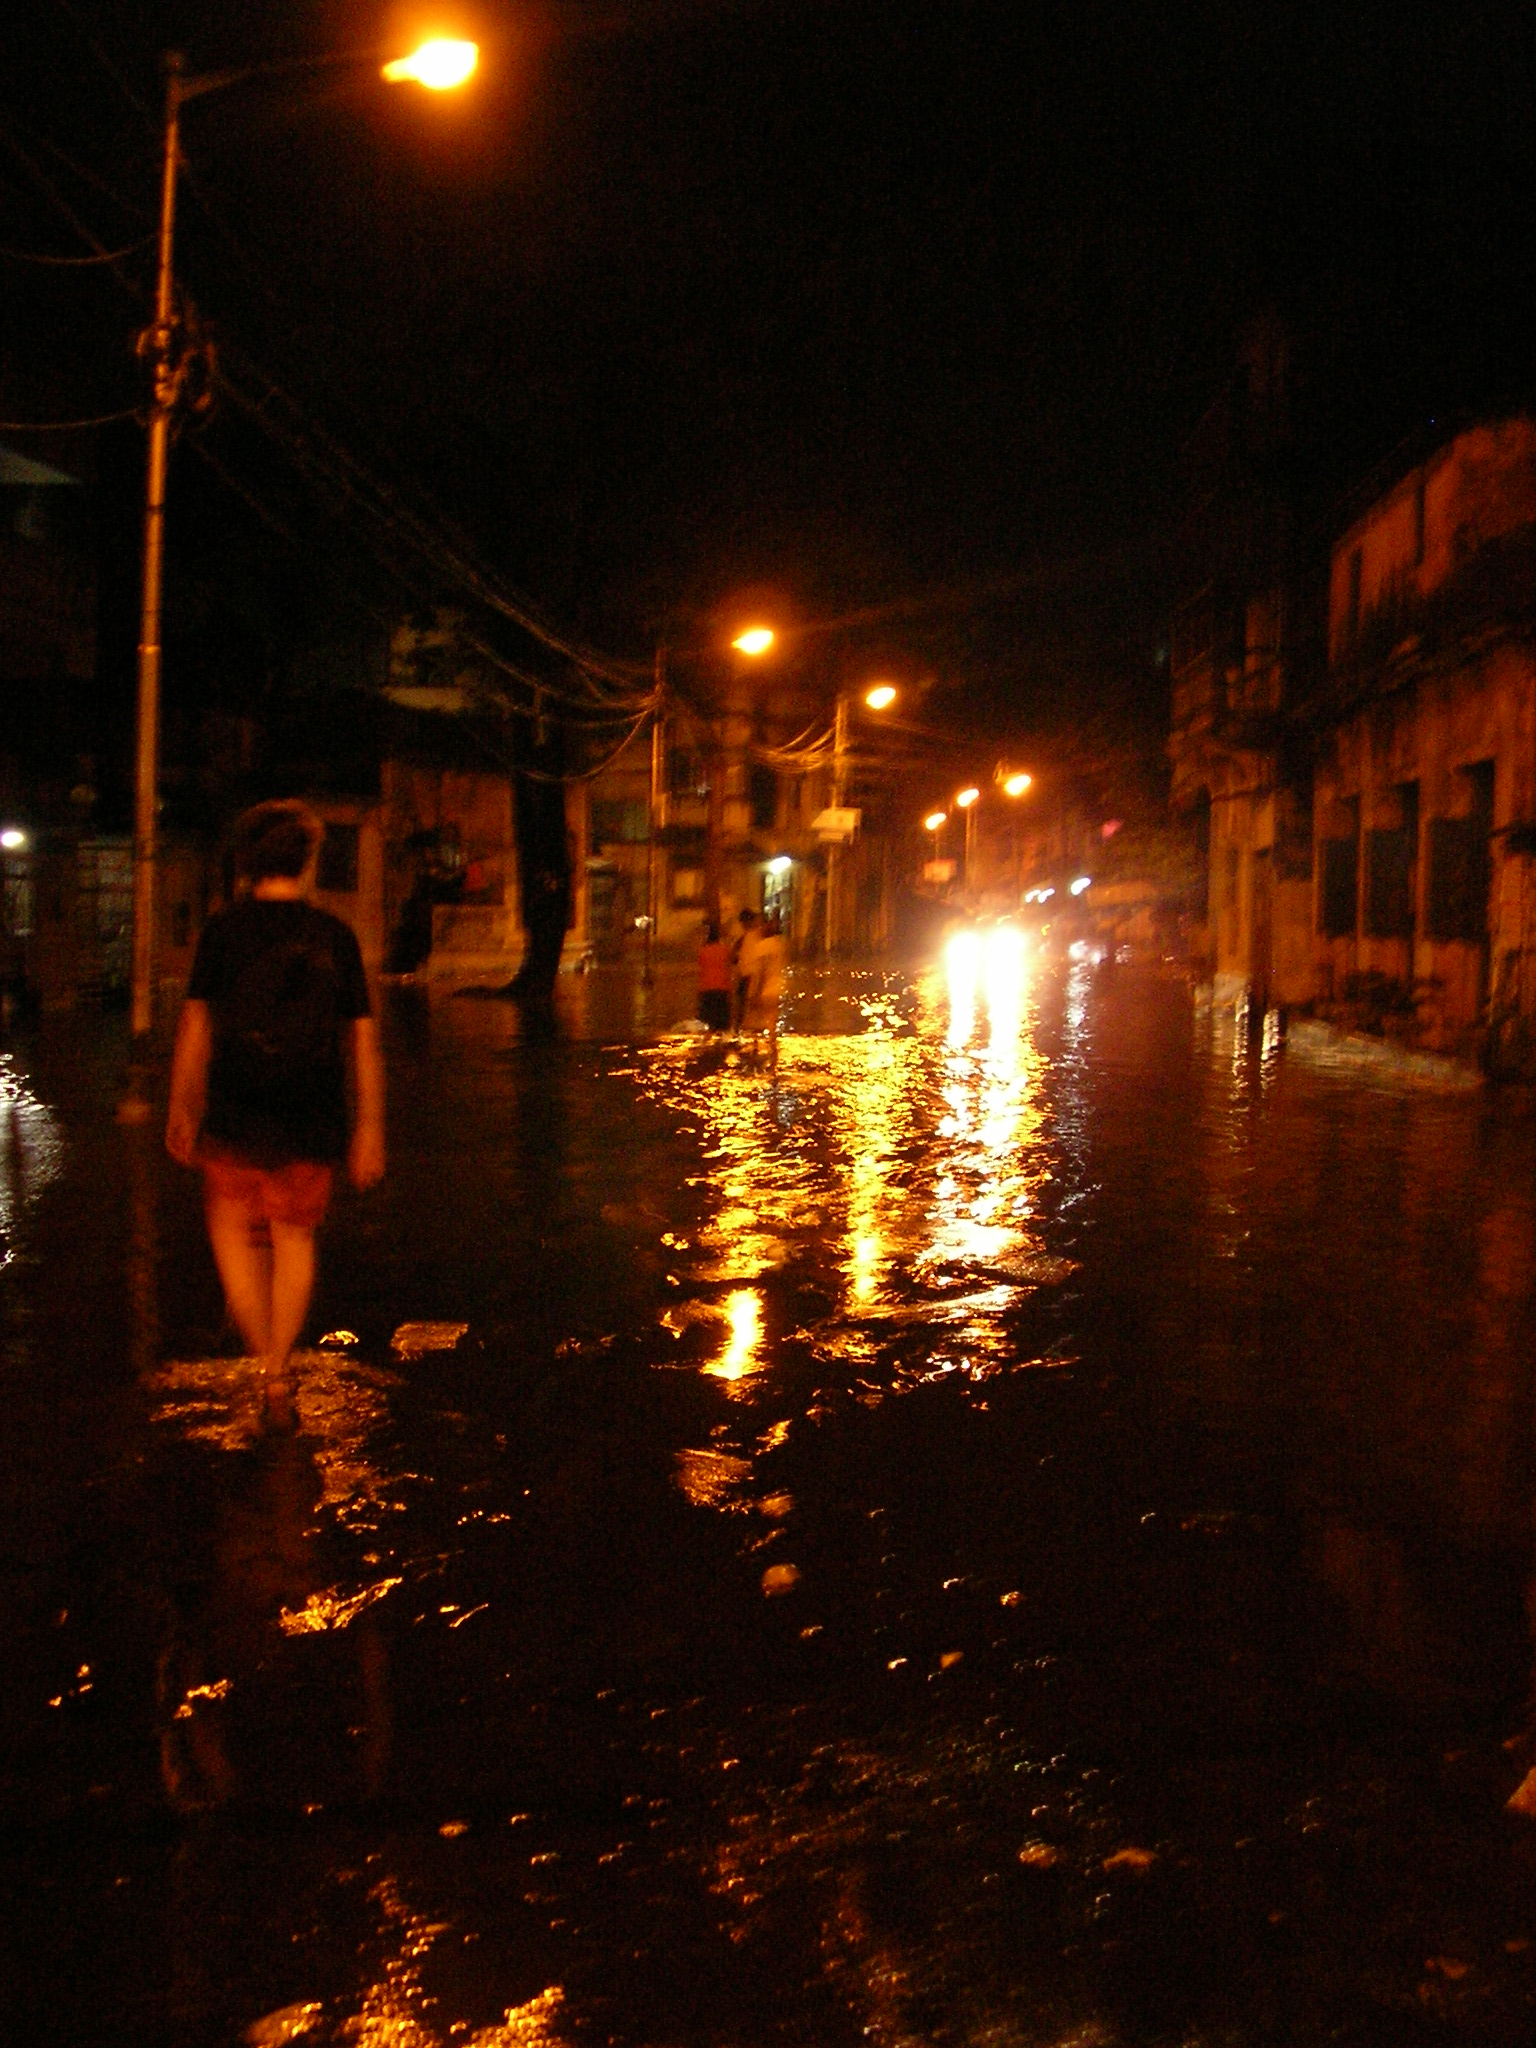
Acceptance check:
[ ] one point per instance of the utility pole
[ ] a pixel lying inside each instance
(839, 756)
(158, 343)
(658, 762)
(436, 66)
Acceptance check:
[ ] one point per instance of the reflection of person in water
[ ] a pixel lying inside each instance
(276, 1002)
(259, 1698)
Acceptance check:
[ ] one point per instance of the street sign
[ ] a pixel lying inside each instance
(938, 870)
(837, 825)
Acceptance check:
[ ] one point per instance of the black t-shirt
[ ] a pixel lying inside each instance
(283, 982)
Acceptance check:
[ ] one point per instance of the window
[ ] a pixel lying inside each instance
(20, 898)
(1337, 904)
(687, 885)
(1454, 910)
(1352, 601)
(1389, 884)
(620, 821)
(1459, 867)
(687, 773)
(1202, 890)
(336, 874)
(764, 794)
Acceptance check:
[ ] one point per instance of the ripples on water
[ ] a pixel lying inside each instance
(913, 1163)
(990, 1485)
(31, 1153)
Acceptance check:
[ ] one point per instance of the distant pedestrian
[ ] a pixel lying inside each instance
(760, 1017)
(276, 1004)
(715, 980)
(744, 954)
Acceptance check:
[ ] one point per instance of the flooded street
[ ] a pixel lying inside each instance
(1015, 1529)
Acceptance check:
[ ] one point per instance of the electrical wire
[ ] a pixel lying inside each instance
(608, 686)
(590, 774)
(537, 687)
(131, 207)
(92, 40)
(105, 419)
(46, 185)
(321, 456)
(75, 262)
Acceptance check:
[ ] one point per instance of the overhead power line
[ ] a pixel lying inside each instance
(608, 691)
(74, 262)
(105, 419)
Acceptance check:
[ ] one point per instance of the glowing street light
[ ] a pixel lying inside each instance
(881, 697)
(1083, 882)
(755, 640)
(966, 800)
(935, 821)
(13, 839)
(439, 65)
(1015, 785)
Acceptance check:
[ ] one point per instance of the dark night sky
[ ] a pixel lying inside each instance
(875, 303)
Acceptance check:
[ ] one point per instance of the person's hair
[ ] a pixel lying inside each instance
(711, 934)
(749, 917)
(275, 839)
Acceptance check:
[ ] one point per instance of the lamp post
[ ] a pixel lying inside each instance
(437, 65)
(879, 697)
(935, 823)
(1014, 783)
(966, 800)
(732, 736)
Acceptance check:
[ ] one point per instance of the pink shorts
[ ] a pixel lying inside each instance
(299, 1193)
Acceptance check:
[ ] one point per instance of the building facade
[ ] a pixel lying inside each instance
(1371, 850)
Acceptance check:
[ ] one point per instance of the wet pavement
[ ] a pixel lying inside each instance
(1017, 1529)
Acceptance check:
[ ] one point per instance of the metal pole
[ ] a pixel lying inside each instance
(658, 756)
(839, 752)
(970, 844)
(160, 341)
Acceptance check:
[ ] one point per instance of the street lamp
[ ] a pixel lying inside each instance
(439, 65)
(1015, 785)
(436, 65)
(966, 800)
(879, 697)
(733, 729)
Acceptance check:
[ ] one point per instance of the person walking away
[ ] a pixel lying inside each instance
(762, 1010)
(277, 1002)
(744, 953)
(715, 980)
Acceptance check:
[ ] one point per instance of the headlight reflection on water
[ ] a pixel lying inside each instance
(888, 1189)
(743, 1310)
(992, 965)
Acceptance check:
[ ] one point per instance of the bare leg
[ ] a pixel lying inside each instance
(293, 1281)
(245, 1267)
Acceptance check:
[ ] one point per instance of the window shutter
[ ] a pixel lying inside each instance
(1340, 879)
(1389, 885)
